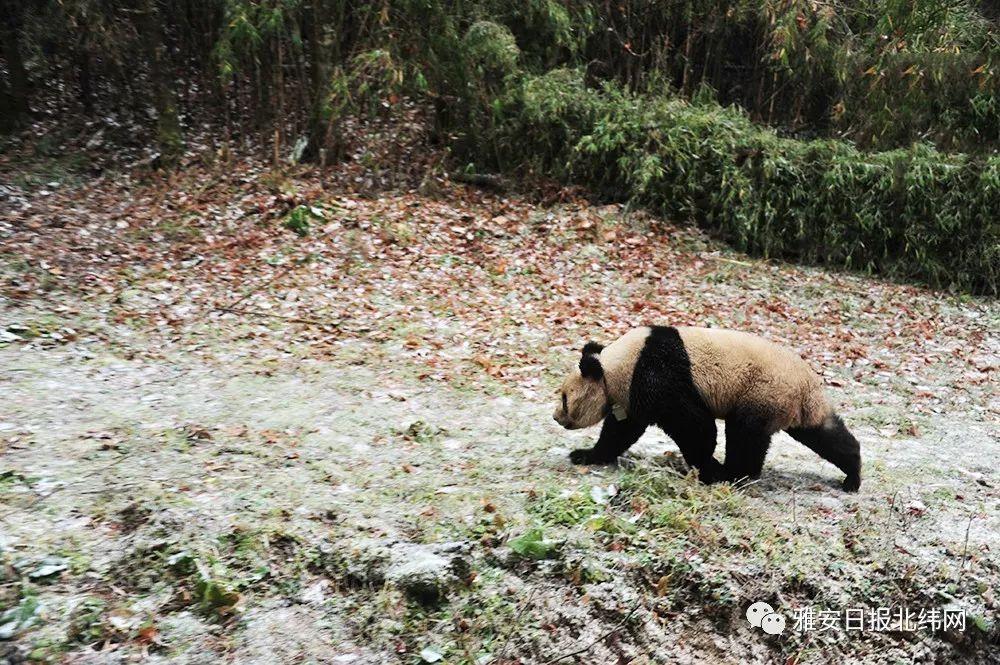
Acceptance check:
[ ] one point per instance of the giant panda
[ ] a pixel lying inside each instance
(683, 379)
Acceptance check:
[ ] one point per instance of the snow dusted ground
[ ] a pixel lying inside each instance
(221, 441)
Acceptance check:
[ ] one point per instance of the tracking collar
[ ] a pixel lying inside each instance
(610, 405)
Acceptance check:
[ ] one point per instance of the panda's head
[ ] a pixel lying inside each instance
(583, 397)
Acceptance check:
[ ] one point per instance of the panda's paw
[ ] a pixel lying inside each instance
(712, 472)
(852, 483)
(588, 456)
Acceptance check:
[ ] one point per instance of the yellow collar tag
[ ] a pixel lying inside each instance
(619, 411)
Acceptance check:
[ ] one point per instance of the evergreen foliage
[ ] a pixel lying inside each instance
(852, 132)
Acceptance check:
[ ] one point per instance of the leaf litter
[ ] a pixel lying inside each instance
(266, 367)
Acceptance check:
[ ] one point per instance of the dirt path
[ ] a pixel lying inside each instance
(193, 485)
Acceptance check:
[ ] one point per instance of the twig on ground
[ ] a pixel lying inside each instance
(603, 637)
(41, 497)
(888, 516)
(739, 263)
(480, 180)
(232, 307)
(513, 626)
(281, 273)
(293, 319)
(965, 548)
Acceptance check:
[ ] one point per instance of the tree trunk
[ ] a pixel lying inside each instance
(7, 115)
(279, 85)
(84, 77)
(14, 96)
(319, 71)
(168, 128)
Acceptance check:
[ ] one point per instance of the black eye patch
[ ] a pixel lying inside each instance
(565, 408)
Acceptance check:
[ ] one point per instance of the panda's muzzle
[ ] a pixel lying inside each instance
(565, 421)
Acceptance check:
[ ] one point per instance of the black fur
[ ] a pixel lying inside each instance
(747, 440)
(616, 437)
(591, 348)
(663, 393)
(590, 367)
(834, 443)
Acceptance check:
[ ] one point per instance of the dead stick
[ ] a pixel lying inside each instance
(888, 517)
(739, 263)
(280, 273)
(513, 626)
(965, 548)
(795, 519)
(599, 639)
(293, 319)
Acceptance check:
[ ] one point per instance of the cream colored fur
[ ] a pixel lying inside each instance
(586, 398)
(736, 369)
(618, 360)
(730, 369)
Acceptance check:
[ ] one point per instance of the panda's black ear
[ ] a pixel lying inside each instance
(592, 347)
(590, 367)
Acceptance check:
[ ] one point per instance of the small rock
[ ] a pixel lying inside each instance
(829, 503)
(8, 629)
(423, 572)
(429, 655)
(425, 576)
(426, 572)
(316, 593)
(49, 568)
(96, 140)
(366, 563)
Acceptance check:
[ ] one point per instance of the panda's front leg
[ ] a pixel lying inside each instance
(695, 435)
(617, 436)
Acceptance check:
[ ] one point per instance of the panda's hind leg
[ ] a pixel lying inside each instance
(748, 437)
(833, 442)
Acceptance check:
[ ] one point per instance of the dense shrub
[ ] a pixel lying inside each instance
(590, 92)
(914, 213)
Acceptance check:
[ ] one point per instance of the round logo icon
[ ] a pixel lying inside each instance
(773, 623)
(757, 611)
